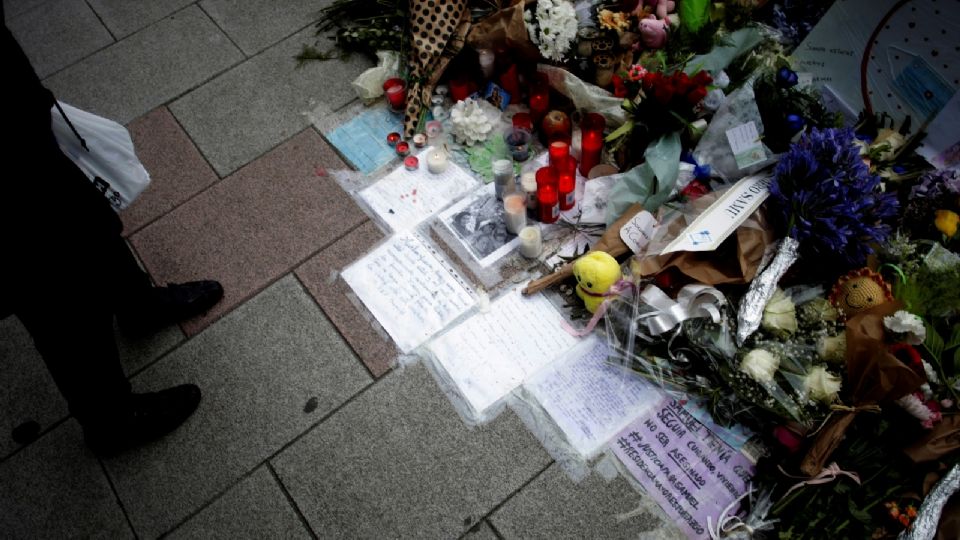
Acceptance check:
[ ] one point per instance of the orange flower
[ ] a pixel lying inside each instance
(893, 509)
(946, 221)
(911, 511)
(904, 520)
(613, 20)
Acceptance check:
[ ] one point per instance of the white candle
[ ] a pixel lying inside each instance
(515, 212)
(530, 243)
(528, 181)
(486, 58)
(436, 161)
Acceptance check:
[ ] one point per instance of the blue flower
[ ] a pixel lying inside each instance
(795, 123)
(787, 78)
(825, 197)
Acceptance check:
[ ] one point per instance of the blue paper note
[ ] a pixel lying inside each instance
(363, 140)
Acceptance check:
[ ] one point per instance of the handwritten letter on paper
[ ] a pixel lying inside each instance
(683, 465)
(589, 399)
(405, 198)
(408, 290)
(490, 354)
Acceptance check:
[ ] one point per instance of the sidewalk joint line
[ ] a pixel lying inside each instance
(293, 504)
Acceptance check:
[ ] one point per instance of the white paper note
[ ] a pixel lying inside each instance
(590, 400)
(408, 289)
(717, 222)
(636, 232)
(745, 143)
(490, 354)
(405, 198)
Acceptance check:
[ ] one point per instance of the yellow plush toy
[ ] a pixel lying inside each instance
(595, 272)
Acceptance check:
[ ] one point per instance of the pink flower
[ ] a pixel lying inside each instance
(636, 72)
(788, 438)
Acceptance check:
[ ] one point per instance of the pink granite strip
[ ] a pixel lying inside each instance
(177, 170)
(320, 275)
(254, 226)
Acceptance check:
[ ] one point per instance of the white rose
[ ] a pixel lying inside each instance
(821, 385)
(780, 315)
(760, 364)
(904, 322)
(833, 348)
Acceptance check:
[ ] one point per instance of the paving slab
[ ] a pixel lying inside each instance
(264, 101)
(253, 227)
(256, 24)
(147, 69)
(253, 509)
(55, 488)
(12, 8)
(177, 170)
(553, 506)
(268, 371)
(58, 33)
(481, 531)
(320, 275)
(398, 462)
(124, 17)
(137, 352)
(27, 391)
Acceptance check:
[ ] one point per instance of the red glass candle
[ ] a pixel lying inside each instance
(546, 176)
(591, 141)
(459, 89)
(539, 101)
(559, 152)
(523, 121)
(396, 91)
(549, 207)
(567, 183)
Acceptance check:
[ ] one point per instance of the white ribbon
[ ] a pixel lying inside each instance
(692, 301)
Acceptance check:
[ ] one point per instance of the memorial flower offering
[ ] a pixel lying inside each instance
(654, 228)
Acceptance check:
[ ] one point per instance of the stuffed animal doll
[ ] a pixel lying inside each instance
(595, 272)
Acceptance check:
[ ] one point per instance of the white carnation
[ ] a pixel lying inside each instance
(904, 322)
(760, 365)
(557, 22)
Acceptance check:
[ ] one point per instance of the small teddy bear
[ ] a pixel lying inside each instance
(595, 273)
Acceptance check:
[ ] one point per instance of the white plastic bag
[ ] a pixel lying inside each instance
(109, 159)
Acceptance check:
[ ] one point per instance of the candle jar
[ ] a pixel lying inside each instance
(591, 141)
(539, 101)
(546, 176)
(531, 243)
(518, 141)
(396, 91)
(515, 212)
(559, 151)
(437, 160)
(420, 140)
(567, 183)
(434, 129)
(548, 203)
(503, 178)
(459, 89)
(486, 59)
(522, 120)
(528, 182)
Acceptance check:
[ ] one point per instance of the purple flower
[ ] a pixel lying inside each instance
(825, 197)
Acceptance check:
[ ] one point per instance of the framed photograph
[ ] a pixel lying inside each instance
(477, 222)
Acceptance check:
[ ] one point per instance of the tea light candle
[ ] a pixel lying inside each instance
(515, 212)
(403, 148)
(530, 243)
(436, 161)
(393, 138)
(420, 140)
(411, 163)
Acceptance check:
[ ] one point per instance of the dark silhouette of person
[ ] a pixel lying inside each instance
(66, 272)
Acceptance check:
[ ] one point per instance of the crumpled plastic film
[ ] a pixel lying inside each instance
(652, 182)
(586, 96)
(369, 84)
(739, 43)
(925, 526)
(714, 149)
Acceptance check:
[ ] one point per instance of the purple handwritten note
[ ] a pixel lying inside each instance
(690, 471)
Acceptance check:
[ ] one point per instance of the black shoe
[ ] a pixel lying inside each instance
(164, 306)
(145, 417)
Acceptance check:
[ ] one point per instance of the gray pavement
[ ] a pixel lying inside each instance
(304, 430)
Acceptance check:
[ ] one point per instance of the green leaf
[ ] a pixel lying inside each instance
(857, 514)
(954, 340)
(694, 14)
(933, 343)
(955, 368)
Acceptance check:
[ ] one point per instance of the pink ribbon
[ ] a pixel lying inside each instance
(827, 475)
(617, 289)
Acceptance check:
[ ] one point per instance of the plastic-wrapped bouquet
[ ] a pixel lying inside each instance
(553, 29)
